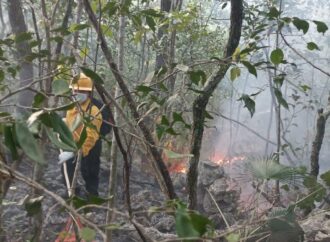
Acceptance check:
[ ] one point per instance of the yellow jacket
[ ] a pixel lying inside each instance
(92, 133)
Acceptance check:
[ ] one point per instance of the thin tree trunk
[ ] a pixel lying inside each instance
(317, 143)
(164, 180)
(200, 103)
(18, 26)
(162, 56)
(48, 45)
(113, 176)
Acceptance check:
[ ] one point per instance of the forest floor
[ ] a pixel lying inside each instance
(17, 224)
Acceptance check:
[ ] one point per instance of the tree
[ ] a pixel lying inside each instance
(19, 29)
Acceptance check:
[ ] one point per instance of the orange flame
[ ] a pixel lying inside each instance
(222, 160)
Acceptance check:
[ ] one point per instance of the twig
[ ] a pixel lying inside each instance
(219, 209)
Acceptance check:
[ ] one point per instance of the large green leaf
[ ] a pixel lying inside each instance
(87, 234)
(301, 24)
(251, 68)
(60, 87)
(57, 142)
(248, 103)
(183, 224)
(173, 155)
(151, 23)
(235, 72)
(93, 75)
(10, 141)
(28, 143)
(53, 120)
(280, 98)
(273, 13)
(277, 56)
(197, 76)
(189, 223)
(312, 46)
(33, 206)
(321, 26)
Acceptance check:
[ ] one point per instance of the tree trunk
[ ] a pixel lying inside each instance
(200, 103)
(317, 143)
(18, 26)
(162, 56)
(113, 176)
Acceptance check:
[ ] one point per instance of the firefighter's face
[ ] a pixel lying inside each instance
(80, 96)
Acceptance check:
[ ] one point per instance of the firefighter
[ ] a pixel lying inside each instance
(91, 148)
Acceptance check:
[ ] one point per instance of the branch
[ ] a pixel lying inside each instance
(249, 129)
(302, 57)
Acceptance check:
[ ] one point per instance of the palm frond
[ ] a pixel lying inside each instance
(266, 168)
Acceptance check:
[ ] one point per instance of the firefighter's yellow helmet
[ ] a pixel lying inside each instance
(84, 83)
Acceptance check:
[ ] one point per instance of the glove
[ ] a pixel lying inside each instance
(64, 156)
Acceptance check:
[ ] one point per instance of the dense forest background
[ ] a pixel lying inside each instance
(219, 116)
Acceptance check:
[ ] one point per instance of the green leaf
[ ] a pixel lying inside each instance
(151, 23)
(87, 234)
(160, 130)
(312, 46)
(38, 100)
(183, 224)
(171, 131)
(233, 237)
(2, 75)
(82, 138)
(197, 76)
(144, 89)
(280, 98)
(173, 155)
(301, 24)
(200, 223)
(152, 12)
(273, 13)
(305, 87)
(177, 117)
(235, 72)
(248, 103)
(278, 80)
(111, 7)
(60, 87)
(33, 206)
(28, 143)
(277, 56)
(10, 141)
(165, 121)
(94, 76)
(326, 178)
(78, 27)
(23, 37)
(321, 26)
(55, 121)
(58, 143)
(251, 68)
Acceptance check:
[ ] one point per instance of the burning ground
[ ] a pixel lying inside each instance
(224, 197)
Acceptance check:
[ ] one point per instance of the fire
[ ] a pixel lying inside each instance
(222, 160)
(179, 167)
